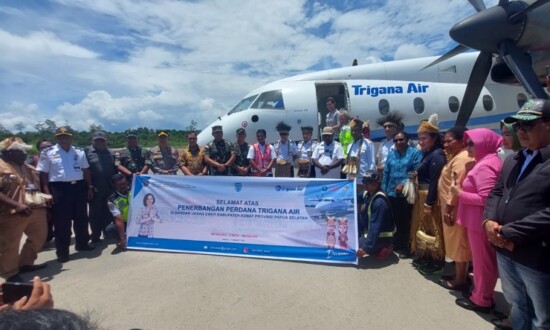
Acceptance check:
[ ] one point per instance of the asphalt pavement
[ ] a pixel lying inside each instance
(156, 290)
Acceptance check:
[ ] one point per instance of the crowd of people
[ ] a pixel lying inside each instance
(451, 197)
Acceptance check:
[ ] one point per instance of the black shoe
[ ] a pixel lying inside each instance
(461, 287)
(469, 305)
(431, 269)
(96, 240)
(87, 247)
(421, 262)
(499, 324)
(31, 268)
(63, 258)
(15, 278)
(447, 277)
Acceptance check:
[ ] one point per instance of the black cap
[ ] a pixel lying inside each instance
(99, 135)
(241, 131)
(531, 110)
(307, 128)
(371, 176)
(217, 128)
(64, 130)
(132, 134)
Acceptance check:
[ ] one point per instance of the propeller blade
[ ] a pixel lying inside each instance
(479, 74)
(453, 52)
(520, 63)
(478, 5)
(524, 11)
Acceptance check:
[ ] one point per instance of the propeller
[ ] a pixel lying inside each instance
(494, 30)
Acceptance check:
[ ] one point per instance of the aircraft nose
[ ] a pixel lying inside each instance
(486, 29)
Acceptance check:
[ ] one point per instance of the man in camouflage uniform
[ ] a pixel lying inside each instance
(219, 153)
(133, 159)
(241, 166)
(192, 157)
(163, 158)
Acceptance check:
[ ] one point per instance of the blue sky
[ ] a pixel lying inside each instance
(125, 64)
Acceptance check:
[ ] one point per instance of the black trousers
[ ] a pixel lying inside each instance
(70, 204)
(100, 216)
(402, 214)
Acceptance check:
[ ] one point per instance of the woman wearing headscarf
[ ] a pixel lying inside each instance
(510, 140)
(456, 239)
(482, 144)
(426, 228)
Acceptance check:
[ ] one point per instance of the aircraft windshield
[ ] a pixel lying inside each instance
(243, 105)
(270, 100)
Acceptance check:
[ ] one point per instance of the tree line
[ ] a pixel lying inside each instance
(46, 130)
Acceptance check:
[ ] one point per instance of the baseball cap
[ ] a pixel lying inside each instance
(162, 133)
(531, 110)
(241, 131)
(216, 129)
(328, 131)
(131, 134)
(99, 135)
(371, 176)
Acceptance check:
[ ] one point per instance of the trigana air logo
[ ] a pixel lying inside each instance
(288, 188)
(238, 186)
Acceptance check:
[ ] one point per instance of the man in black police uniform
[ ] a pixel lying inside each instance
(241, 166)
(219, 153)
(102, 169)
(64, 174)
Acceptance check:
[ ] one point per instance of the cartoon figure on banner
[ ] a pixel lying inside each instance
(147, 217)
(331, 232)
(343, 233)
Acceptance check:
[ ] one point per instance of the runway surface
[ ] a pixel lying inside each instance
(155, 290)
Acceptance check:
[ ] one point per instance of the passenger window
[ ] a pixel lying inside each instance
(243, 105)
(487, 103)
(383, 107)
(418, 104)
(521, 99)
(454, 104)
(270, 100)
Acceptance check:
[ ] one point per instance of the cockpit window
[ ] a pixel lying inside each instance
(244, 104)
(270, 100)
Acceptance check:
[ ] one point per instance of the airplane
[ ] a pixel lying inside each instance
(333, 205)
(517, 33)
(449, 86)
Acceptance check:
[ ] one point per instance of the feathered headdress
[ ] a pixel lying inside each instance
(429, 126)
(355, 122)
(394, 117)
(282, 127)
(14, 143)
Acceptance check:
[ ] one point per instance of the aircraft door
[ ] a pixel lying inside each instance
(338, 91)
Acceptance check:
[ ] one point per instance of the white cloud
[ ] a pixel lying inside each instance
(39, 43)
(407, 51)
(171, 62)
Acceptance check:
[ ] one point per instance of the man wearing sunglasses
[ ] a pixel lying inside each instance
(517, 219)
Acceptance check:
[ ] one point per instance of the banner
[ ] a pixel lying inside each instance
(276, 218)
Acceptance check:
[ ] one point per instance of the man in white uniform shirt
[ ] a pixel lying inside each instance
(305, 150)
(328, 156)
(360, 153)
(286, 152)
(392, 122)
(64, 174)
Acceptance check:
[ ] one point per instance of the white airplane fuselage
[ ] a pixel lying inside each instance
(367, 92)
